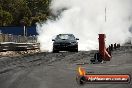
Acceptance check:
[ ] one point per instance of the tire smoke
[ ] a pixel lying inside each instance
(86, 19)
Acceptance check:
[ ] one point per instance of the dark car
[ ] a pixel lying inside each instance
(65, 42)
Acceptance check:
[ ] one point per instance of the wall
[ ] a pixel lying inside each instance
(18, 30)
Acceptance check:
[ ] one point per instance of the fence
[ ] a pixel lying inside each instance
(17, 38)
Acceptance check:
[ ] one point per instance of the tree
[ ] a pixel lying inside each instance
(35, 20)
(30, 10)
(21, 11)
(37, 6)
(27, 21)
(1, 15)
(5, 17)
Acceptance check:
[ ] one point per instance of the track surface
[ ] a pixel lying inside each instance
(58, 70)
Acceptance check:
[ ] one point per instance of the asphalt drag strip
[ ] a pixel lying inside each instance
(59, 70)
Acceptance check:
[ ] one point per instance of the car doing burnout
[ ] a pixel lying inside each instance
(65, 42)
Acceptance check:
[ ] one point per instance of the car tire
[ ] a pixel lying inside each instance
(75, 50)
(55, 51)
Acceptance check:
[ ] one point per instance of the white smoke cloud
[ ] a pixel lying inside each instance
(86, 19)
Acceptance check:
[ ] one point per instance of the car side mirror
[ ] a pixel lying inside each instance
(77, 38)
(53, 39)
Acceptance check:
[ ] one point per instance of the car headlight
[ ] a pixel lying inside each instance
(73, 43)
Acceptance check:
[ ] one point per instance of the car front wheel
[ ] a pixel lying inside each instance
(55, 51)
(75, 50)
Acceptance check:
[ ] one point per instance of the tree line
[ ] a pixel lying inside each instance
(23, 12)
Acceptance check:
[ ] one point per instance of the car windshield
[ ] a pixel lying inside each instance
(65, 37)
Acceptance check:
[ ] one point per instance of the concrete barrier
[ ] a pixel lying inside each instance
(12, 46)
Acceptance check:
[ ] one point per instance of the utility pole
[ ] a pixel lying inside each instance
(24, 30)
(105, 14)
